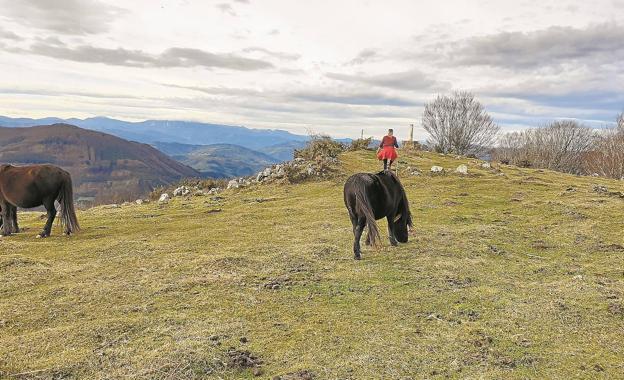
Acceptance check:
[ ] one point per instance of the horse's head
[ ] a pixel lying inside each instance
(402, 222)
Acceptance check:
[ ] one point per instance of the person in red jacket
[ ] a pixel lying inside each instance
(386, 151)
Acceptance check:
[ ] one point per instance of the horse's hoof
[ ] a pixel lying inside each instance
(357, 257)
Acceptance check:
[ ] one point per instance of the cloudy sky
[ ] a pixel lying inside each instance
(332, 66)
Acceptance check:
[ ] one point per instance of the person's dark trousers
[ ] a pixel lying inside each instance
(385, 163)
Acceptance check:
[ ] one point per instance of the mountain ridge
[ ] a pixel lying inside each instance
(187, 132)
(104, 167)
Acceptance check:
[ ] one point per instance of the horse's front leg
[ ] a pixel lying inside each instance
(6, 224)
(13, 219)
(51, 209)
(358, 228)
(391, 237)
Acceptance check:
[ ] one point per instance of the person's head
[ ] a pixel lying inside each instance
(390, 132)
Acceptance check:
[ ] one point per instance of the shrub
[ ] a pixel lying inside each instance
(561, 145)
(360, 144)
(319, 147)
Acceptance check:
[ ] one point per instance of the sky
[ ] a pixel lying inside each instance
(335, 67)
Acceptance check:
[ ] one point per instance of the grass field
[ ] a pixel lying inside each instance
(509, 274)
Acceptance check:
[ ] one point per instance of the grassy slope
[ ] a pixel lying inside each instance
(506, 276)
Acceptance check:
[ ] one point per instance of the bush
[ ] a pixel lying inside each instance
(561, 145)
(319, 147)
(360, 144)
(607, 156)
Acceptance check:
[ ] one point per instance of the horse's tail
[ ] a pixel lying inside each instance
(68, 214)
(365, 205)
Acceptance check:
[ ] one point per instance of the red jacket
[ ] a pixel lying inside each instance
(389, 141)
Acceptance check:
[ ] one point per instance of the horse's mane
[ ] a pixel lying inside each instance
(405, 210)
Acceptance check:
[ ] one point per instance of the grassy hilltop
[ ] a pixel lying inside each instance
(515, 273)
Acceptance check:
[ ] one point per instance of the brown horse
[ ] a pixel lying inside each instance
(33, 186)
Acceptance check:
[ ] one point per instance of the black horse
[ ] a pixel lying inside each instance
(33, 186)
(370, 197)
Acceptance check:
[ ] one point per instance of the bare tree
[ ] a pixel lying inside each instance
(607, 156)
(458, 124)
(561, 145)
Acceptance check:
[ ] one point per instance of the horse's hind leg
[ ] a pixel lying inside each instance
(51, 209)
(358, 228)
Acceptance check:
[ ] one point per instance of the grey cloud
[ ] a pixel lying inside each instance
(350, 98)
(271, 53)
(538, 48)
(364, 56)
(77, 17)
(226, 8)
(404, 80)
(8, 35)
(228, 91)
(173, 57)
(366, 99)
(49, 92)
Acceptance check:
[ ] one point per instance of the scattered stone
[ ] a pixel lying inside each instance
(600, 189)
(486, 165)
(462, 169)
(437, 169)
(243, 339)
(126, 204)
(181, 191)
(413, 171)
(164, 198)
(233, 184)
(114, 205)
(139, 201)
(199, 193)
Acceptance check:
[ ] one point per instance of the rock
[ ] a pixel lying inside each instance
(214, 190)
(114, 205)
(139, 201)
(437, 169)
(126, 204)
(279, 171)
(486, 165)
(462, 169)
(233, 184)
(310, 170)
(164, 198)
(600, 189)
(199, 193)
(413, 171)
(181, 191)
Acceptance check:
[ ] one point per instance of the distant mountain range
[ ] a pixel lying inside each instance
(104, 168)
(219, 160)
(184, 132)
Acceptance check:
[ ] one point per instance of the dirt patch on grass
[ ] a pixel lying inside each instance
(299, 375)
(241, 360)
